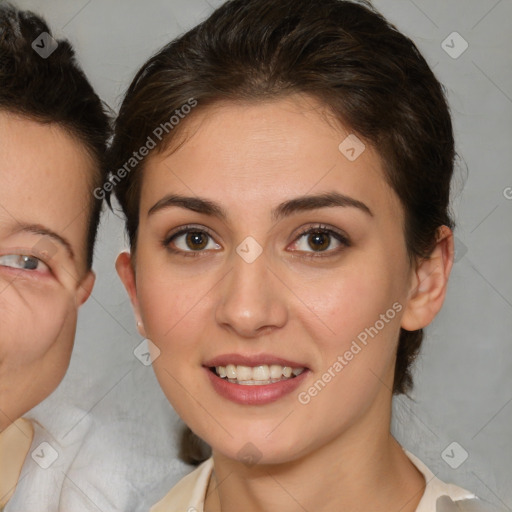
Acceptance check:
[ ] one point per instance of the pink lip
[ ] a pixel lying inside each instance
(255, 395)
(251, 360)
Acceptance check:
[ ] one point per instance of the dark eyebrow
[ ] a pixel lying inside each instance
(38, 229)
(190, 203)
(298, 204)
(305, 203)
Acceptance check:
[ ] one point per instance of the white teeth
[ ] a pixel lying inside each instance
(243, 372)
(276, 371)
(230, 371)
(262, 374)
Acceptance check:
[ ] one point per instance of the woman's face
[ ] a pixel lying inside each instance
(262, 243)
(44, 208)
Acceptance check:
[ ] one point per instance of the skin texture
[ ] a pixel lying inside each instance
(249, 158)
(43, 182)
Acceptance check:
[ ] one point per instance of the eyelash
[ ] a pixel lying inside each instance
(318, 229)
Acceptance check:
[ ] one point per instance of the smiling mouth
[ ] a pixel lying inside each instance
(256, 375)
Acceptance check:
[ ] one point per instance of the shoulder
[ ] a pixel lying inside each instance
(189, 492)
(441, 496)
(50, 461)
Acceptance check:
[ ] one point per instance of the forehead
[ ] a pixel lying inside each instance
(44, 178)
(250, 155)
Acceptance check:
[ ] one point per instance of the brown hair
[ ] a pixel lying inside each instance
(52, 89)
(345, 54)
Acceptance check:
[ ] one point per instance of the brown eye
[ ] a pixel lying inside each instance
(319, 241)
(196, 240)
(316, 240)
(191, 241)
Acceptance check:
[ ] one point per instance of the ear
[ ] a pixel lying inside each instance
(126, 273)
(429, 283)
(85, 287)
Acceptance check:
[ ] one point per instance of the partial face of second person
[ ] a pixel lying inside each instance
(44, 210)
(284, 295)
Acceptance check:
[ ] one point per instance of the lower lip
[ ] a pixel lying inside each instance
(254, 395)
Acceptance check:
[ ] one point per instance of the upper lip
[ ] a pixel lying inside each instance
(251, 360)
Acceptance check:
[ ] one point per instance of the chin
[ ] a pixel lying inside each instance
(258, 449)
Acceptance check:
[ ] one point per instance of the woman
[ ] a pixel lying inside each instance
(54, 131)
(284, 169)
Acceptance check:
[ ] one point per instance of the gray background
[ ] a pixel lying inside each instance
(463, 377)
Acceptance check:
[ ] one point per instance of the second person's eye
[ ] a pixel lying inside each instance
(23, 262)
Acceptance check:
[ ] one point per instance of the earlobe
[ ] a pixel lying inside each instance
(126, 273)
(429, 283)
(85, 288)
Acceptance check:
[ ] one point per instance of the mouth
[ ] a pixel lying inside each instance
(254, 379)
(256, 375)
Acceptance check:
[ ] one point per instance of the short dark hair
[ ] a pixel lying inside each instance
(343, 53)
(52, 90)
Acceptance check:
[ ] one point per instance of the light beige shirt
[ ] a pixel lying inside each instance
(189, 493)
(15, 443)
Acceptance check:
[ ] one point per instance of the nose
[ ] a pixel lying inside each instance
(251, 299)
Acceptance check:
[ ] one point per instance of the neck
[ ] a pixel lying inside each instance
(15, 443)
(363, 469)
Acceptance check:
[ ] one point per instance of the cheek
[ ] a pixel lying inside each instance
(35, 321)
(336, 308)
(355, 329)
(175, 313)
(361, 313)
(173, 309)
